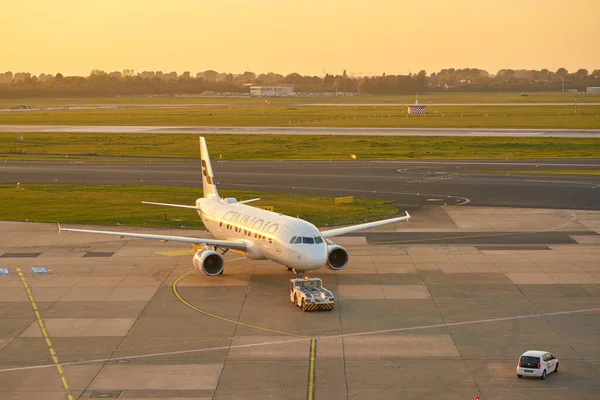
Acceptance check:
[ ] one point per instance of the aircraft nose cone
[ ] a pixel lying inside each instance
(318, 258)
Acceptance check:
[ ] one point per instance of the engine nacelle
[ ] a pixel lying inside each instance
(337, 257)
(209, 262)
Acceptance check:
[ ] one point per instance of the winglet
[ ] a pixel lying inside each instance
(59, 228)
(407, 214)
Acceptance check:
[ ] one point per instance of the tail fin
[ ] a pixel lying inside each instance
(208, 180)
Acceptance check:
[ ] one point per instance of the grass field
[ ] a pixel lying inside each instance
(534, 97)
(514, 116)
(279, 147)
(112, 205)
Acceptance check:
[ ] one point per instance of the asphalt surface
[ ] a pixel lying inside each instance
(410, 183)
(135, 321)
(207, 130)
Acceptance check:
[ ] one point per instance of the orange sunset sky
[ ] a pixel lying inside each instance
(308, 37)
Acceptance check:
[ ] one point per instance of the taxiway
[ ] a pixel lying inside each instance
(410, 183)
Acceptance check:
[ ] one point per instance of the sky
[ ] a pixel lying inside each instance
(306, 36)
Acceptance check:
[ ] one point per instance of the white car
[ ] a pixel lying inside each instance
(536, 363)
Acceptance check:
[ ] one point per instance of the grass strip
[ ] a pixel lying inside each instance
(456, 97)
(352, 116)
(298, 147)
(121, 205)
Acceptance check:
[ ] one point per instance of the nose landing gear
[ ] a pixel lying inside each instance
(299, 273)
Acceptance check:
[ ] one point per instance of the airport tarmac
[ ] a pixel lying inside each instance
(409, 183)
(259, 130)
(414, 318)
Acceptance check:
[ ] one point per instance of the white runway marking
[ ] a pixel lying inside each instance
(378, 332)
(428, 179)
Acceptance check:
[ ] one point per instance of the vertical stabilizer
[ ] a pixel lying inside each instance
(208, 180)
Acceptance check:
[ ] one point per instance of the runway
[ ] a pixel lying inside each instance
(498, 183)
(231, 130)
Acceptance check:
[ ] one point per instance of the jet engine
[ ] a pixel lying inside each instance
(209, 262)
(337, 257)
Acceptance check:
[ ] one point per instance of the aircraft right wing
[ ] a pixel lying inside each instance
(199, 241)
(359, 227)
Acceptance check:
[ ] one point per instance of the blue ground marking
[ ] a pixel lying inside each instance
(4, 271)
(39, 270)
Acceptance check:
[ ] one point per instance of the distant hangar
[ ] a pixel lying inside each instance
(272, 91)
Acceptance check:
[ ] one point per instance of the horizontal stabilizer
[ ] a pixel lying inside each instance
(171, 205)
(248, 201)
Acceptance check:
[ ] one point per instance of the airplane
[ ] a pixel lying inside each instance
(254, 233)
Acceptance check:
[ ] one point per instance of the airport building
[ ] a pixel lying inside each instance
(272, 91)
(591, 89)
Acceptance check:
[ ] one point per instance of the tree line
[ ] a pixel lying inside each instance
(129, 82)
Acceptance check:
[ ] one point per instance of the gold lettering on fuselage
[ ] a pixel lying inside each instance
(248, 225)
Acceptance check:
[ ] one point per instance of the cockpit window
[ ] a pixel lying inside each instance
(306, 240)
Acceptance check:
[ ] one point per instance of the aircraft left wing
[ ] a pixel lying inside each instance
(211, 242)
(353, 228)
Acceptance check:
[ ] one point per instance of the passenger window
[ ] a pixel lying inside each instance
(318, 240)
(292, 239)
(308, 240)
(298, 240)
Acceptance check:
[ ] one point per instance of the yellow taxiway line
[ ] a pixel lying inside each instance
(181, 299)
(51, 350)
(311, 369)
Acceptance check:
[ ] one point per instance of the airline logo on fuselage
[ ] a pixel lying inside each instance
(246, 222)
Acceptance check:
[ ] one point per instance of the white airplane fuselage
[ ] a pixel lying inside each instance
(266, 233)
